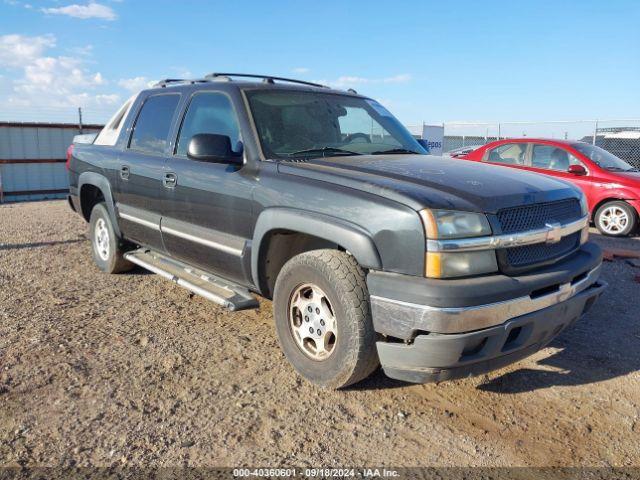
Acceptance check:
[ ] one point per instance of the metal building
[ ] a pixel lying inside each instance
(32, 157)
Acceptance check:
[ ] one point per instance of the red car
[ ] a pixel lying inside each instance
(611, 185)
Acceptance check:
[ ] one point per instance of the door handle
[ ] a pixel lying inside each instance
(170, 180)
(124, 172)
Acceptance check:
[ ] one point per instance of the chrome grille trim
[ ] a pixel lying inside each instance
(531, 237)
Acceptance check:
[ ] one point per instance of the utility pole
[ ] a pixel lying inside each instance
(80, 120)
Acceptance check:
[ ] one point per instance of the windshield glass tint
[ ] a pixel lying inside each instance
(315, 124)
(601, 157)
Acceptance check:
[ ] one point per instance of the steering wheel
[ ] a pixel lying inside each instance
(349, 138)
(300, 140)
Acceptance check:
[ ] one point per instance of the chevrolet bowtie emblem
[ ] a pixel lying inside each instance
(554, 232)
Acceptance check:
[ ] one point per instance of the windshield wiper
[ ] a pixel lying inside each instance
(323, 150)
(395, 150)
(613, 168)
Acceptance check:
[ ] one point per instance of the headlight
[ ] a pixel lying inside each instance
(584, 235)
(448, 224)
(584, 209)
(584, 206)
(444, 224)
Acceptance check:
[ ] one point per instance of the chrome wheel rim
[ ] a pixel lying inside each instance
(101, 239)
(613, 220)
(312, 321)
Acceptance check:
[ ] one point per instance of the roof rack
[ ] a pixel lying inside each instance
(265, 78)
(169, 81)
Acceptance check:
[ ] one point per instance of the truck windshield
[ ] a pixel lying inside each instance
(299, 124)
(603, 158)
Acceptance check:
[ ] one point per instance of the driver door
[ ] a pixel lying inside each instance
(555, 161)
(207, 217)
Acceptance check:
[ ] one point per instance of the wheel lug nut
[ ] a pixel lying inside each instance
(318, 311)
(310, 329)
(319, 332)
(322, 322)
(306, 319)
(310, 309)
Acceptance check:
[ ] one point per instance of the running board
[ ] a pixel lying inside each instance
(223, 292)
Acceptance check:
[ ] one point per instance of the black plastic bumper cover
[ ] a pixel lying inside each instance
(433, 358)
(467, 292)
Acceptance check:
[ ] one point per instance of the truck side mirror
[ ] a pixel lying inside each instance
(210, 147)
(577, 170)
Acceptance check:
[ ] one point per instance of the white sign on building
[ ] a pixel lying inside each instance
(434, 135)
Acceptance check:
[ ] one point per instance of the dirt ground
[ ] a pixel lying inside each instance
(104, 370)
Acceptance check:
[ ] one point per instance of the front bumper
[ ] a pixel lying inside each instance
(427, 342)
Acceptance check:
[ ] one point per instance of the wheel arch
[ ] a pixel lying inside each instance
(95, 185)
(608, 199)
(296, 231)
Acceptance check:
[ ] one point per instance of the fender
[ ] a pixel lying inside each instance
(100, 181)
(352, 237)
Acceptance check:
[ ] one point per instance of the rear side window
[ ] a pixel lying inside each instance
(152, 126)
(209, 113)
(509, 153)
(110, 133)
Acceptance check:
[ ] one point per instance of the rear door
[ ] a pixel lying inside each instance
(141, 170)
(508, 154)
(555, 161)
(207, 219)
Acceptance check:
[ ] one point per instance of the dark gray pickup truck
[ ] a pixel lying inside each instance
(372, 251)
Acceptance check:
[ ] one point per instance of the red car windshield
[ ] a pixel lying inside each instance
(602, 158)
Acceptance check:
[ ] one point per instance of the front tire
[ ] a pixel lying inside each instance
(616, 219)
(108, 253)
(323, 320)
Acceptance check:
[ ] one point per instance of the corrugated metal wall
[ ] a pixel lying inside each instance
(32, 157)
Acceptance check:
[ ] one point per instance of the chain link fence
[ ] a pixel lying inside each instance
(620, 137)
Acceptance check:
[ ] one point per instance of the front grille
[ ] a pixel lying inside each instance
(541, 252)
(532, 217)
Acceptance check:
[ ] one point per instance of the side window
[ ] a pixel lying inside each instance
(153, 123)
(509, 153)
(552, 158)
(208, 113)
(110, 133)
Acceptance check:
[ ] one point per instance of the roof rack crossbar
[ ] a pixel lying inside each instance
(265, 78)
(168, 81)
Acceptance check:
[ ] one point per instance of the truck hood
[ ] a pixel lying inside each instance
(425, 181)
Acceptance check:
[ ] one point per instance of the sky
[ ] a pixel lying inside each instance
(427, 61)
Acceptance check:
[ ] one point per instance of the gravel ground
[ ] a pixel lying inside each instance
(106, 370)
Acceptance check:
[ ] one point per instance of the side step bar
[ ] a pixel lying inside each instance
(223, 292)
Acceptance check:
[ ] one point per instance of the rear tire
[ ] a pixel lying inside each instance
(108, 252)
(324, 292)
(616, 219)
